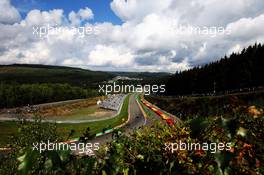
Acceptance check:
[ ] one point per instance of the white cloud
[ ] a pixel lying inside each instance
(138, 9)
(107, 55)
(86, 13)
(9, 14)
(81, 16)
(235, 49)
(37, 17)
(147, 40)
(247, 28)
(38, 50)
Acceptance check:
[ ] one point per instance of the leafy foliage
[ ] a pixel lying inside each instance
(23, 159)
(144, 151)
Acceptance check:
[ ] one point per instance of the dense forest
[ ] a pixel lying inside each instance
(13, 95)
(23, 84)
(238, 71)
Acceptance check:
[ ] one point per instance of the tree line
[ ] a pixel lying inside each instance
(239, 70)
(13, 95)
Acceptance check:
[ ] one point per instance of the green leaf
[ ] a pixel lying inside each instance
(27, 161)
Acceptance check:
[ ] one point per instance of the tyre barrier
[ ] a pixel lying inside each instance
(165, 117)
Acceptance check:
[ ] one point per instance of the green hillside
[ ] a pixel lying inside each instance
(25, 73)
(32, 73)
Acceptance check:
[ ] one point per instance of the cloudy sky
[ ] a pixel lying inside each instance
(127, 35)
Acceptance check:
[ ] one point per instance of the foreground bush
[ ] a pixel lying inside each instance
(144, 152)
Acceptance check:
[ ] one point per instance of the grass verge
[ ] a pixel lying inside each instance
(10, 128)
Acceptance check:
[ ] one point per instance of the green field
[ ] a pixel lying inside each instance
(79, 113)
(96, 127)
(84, 114)
(10, 128)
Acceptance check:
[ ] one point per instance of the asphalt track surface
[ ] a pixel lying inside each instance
(136, 120)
